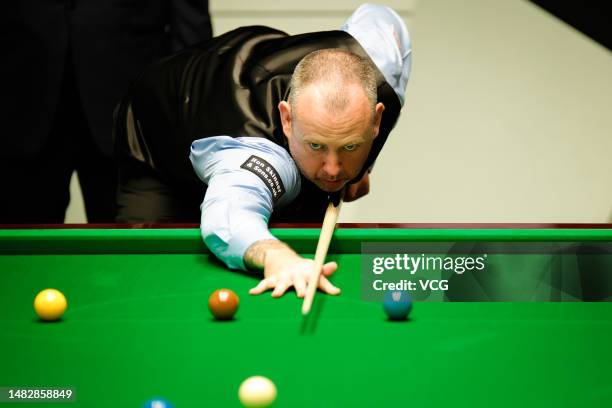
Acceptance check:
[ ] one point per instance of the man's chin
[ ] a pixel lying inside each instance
(331, 186)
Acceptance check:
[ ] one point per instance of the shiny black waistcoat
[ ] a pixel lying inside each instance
(230, 85)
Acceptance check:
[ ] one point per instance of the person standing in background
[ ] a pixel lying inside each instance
(66, 64)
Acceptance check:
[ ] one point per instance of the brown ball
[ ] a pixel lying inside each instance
(223, 304)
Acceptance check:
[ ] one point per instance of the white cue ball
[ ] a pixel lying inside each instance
(257, 392)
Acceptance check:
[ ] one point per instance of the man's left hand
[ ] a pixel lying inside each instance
(358, 189)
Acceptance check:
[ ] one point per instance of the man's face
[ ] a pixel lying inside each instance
(330, 149)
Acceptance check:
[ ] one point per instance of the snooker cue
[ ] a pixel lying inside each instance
(327, 230)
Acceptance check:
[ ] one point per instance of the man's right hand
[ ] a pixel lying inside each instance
(284, 268)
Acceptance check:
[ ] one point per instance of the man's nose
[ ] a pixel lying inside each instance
(332, 165)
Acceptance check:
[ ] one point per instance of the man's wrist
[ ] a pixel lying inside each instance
(264, 251)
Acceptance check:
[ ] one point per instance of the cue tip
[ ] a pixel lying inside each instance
(307, 303)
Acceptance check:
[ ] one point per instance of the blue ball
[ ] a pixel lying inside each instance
(157, 403)
(397, 304)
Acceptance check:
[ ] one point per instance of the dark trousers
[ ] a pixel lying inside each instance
(145, 196)
(36, 189)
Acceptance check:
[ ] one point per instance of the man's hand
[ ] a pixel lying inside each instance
(358, 189)
(283, 268)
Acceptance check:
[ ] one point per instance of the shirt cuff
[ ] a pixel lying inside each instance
(229, 227)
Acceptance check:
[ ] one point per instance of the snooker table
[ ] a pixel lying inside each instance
(137, 326)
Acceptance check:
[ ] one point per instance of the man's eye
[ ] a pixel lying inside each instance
(350, 147)
(315, 146)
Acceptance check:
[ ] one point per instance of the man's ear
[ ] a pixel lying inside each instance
(378, 117)
(285, 115)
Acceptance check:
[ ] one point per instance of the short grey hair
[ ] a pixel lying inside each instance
(338, 68)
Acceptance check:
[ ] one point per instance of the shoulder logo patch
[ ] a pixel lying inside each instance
(267, 174)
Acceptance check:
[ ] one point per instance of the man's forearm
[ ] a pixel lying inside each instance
(257, 254)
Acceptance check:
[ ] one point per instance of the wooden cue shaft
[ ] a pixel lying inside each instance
(327, 230)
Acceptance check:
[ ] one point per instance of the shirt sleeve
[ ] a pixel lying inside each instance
(384, 36)
(247, 179)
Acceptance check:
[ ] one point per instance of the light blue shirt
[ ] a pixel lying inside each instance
(383, 35)
(238, 202)
(248, 178)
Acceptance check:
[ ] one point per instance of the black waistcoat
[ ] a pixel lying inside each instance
(230, 85)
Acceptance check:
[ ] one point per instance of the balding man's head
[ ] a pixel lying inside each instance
(334, 71)
(331, 118)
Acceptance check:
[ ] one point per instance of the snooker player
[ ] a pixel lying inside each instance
(274, 124)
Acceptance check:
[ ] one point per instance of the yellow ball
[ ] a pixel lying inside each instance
(50, 304)
(256, 392)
